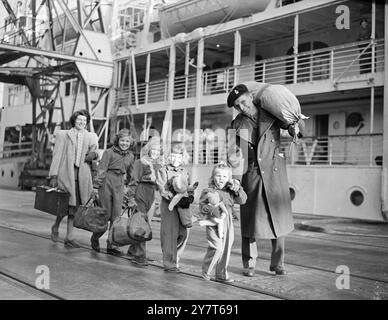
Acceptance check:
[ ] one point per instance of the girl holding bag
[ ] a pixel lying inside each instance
(116, 162)
(142, 189)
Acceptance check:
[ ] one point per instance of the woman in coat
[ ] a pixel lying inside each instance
(70, 169)
(267, 212)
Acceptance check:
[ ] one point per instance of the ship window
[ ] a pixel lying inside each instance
(2, 173)
(11, 173)
(357, 197)
(292, 193)
(67, 89)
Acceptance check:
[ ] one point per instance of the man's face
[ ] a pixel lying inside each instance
(244, 104)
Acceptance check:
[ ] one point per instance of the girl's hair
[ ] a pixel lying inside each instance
(179, 148)
(74, 116)
(152, 143)
(221, 166)
(123, 133)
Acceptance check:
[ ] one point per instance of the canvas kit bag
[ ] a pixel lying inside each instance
(52, 200)
(131, 230)
(277, 100)
(91, 217)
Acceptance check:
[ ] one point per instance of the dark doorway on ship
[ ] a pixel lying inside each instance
(313, 66)
(321, 141)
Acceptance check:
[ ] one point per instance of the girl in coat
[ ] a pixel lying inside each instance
(173, 235)
(74, 150)
(116, 162)
(142, 190)
(219, 249)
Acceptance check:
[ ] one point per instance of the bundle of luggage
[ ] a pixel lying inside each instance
(280, 102)
(94, 218)
(130, 230)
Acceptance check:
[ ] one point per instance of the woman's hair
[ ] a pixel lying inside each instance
(364, 20)
(123, 133)
(221, 166)
(74, 116)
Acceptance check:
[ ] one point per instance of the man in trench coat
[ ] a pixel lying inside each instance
(267, 212)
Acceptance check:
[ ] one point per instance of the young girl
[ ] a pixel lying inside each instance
(109, 182)
(142, 189)
(218, 251)
(173, 235)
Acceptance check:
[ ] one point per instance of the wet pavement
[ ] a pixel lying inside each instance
(314, 252)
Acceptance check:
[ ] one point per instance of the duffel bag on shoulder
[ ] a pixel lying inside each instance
(277, 100)
(119, 233)
(91, 217)
(139, 228)
(52, 200)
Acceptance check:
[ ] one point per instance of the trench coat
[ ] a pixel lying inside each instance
(62, 164)
(267, 212)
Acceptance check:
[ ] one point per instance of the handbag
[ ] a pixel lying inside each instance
(91, 217)
(52, 200)
(119, 232)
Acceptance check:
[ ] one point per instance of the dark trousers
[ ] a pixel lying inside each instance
(173, 236)
(249, 248)
(111, 196)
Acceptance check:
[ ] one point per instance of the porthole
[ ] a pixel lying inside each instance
(292, 193)
(357, 197)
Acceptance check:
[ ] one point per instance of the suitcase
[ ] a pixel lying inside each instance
(52, 200)
(91, 217)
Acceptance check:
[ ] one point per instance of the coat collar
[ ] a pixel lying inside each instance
(72, 133)
(266, 120)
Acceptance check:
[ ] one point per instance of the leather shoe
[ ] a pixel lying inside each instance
(71, 244)
(172, 270)
(113, 252)
(205, 276)
(95, 244)
(228, 280)
(54, 235)
(279, 270)
(140, 261)
(249, 272)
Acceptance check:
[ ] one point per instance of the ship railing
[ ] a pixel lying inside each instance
(332, 63)
(337, 63)
(14, 150)
(333, 150)
(356, 150)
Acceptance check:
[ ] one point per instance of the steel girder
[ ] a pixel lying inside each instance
(54, 44)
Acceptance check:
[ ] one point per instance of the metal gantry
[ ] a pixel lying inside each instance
(46, 43)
